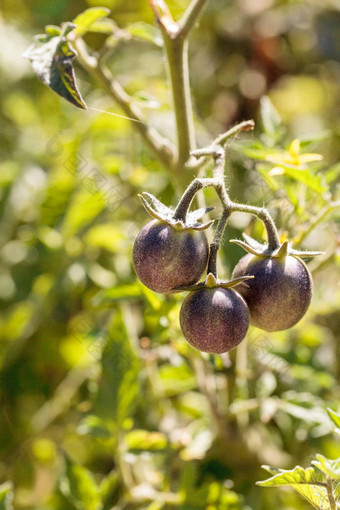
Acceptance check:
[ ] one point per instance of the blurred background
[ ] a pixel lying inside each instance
(103, 404)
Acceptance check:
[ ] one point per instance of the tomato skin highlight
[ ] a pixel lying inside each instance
(279, 294)
(165, 257)
(214, 320)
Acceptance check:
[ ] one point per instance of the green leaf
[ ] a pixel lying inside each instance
(104, 26)
(309, 483)
(96, 427)
(130, 291)
(144, 440)
(145, 31)
(254, 149)
(331, 468)
(118, 394)
(84, 22)
(80, 488)
(108, 486)
(271, 120)
(84, 208)
(332, 173)
(51, 57)
(6, 496)
(308, 140)
(304, 175)
(117, 293)
(335, 417)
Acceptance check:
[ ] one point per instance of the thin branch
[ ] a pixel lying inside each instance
(159, 145)
(190, 17)
(246, 125)
(261, 213)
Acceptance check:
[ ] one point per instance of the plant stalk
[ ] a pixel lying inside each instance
(217, 182)
(190, 17)
(332, 503)
(176, 49)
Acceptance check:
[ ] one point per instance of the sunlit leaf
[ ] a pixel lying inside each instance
(144, 440)
(308, 482)
(145, 31)
(96, 427)
(308, 140)
(51, 57)
(335, 417)
(304, 175)
(118, 392)
(118, 293)
(331, 468)
(271, 120)
(86, 20)
(108, 486)
(6, 496)
(79, 486)
(332, 173)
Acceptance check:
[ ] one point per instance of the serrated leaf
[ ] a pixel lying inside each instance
(331, 468)
(6, 496)
(85, 20)
(80, 488)
(335, 417)
(272, 470)
(309, 483)
(271, 120)
(51, 57)
(145, 31)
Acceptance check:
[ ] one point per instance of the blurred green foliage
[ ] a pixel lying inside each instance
(104, 405)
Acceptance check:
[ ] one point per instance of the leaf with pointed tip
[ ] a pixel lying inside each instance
(193, 216)
(51, 57)
(79, 487)
(309, 483)
(335, 417)
(283, 250)
(85, 20)
(6, 496)
(200, 226)
(190, 288)
(271, 120)
(305, 254)
(247, 248)
(236, 281)
(331, 468)
(337, 491)
(272, 470)
(149, 209)
(147, 32)
(157, 204)
(253, 243)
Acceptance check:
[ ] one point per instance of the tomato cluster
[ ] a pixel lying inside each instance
(271, 291)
